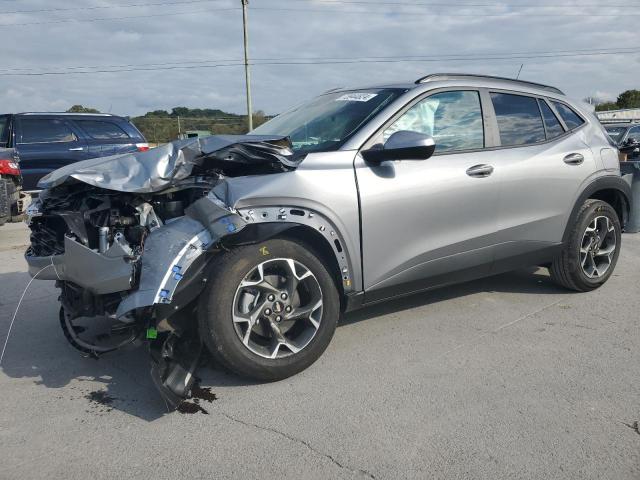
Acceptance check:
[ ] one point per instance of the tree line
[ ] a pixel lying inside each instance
(161, 126)
(627, 99)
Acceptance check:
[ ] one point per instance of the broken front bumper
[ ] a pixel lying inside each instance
(99, 273)
(169, 251)
(167, 275)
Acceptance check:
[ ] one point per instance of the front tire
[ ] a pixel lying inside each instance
(269, 310)
(591, 253)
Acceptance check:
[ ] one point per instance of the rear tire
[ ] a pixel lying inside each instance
(5, 201)
(591, 253)
(13, 195)
(252, 312)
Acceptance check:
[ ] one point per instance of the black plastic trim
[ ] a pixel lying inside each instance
(532, 258)
(610, 182)
(429, 283)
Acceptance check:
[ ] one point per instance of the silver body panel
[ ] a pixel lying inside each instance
(417, 213)
(325, 184)
(404, 220)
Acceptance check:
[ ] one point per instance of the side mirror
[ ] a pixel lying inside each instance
(631, 141)
(402, 145)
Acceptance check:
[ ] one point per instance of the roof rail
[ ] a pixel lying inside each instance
(459, 76)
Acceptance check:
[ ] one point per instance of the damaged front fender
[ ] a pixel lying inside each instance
(170, 251)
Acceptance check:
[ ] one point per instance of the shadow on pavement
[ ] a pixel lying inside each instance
(532, 280)
(38, 350)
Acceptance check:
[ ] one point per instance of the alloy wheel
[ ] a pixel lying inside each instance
(598, 247)
(277, 308)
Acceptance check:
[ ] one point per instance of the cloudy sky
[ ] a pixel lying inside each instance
(188, 53)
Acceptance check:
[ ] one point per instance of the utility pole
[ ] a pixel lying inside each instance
(247, 73)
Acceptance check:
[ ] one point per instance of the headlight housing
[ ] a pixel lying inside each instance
(33, 210)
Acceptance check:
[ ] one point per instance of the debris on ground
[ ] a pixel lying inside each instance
(198, 394)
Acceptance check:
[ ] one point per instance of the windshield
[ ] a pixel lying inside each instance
(326, 122)
(615, 133)
(4, 130)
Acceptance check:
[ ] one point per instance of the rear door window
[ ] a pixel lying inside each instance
(102, 130)
(519, 119)
(46, 130)
(552, 124)
(571, 118)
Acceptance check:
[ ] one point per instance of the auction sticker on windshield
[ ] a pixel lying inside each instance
(356, 97)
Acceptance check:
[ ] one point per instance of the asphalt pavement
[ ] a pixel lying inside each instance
(507, 377)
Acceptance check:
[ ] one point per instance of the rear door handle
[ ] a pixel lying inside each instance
(574, 159)
(76, 149)
(480, 171)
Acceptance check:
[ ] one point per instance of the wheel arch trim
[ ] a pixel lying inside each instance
(610, 183)
(269, 221)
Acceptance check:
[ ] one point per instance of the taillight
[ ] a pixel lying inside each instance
(142, 147)
(9, 167)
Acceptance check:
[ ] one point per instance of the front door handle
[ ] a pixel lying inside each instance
(574, 159)
(480, 171)
(76, 149)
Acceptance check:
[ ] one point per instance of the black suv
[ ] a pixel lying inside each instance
(47, 141)
(626, 136)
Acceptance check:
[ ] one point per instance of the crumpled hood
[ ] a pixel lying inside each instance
(159, 168)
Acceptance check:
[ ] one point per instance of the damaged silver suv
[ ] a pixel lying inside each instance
(253, 245)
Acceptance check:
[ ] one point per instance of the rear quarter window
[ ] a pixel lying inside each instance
(552, 124)
(571, 118)
(102, 130)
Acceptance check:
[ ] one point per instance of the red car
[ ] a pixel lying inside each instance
(11, 197)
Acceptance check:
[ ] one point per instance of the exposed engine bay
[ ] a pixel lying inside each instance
(117, 234)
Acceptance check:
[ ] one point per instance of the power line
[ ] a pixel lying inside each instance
(81, 20)
(508, 57)
(320, 61)
(437, 14)
(103, 7)
(332, 2)
(233, 61)
(80, 67)
(79, 72)
(308, 10)
(464, 5)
